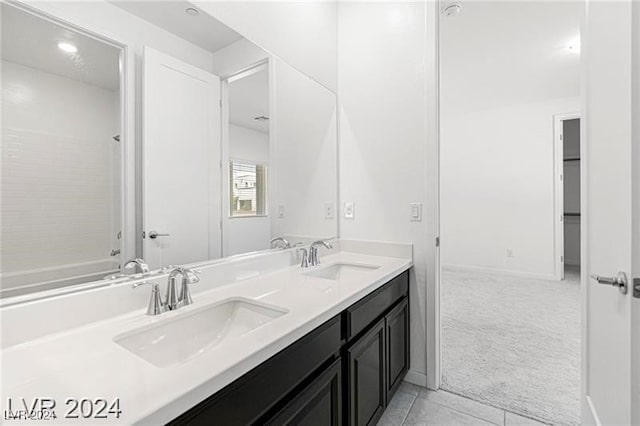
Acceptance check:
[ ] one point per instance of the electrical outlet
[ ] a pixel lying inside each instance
(280, 210)
(510, 253)
(350, 210)
(328, 211)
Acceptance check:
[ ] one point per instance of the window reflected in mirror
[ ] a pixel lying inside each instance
(248, 189)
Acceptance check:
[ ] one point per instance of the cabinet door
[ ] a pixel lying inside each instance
(367, 384)
(319, 404)
(397, 324)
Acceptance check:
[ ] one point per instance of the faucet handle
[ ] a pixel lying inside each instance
(189, 277)
(304, 262)
(155, 303)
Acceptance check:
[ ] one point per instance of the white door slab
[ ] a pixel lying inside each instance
(181, 161)
(609, 226)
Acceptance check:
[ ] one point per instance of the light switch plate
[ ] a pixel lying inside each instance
(416, 212)
(280, 210)
(350, 210)
(328, 211)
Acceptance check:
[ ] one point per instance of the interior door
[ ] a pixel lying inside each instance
(181, 156)
(611, 221)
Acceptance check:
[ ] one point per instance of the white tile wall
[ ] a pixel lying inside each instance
(60, 170)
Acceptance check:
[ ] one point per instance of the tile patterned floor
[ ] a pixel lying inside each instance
(414, 405)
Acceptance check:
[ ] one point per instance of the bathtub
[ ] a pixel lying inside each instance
(35, 280)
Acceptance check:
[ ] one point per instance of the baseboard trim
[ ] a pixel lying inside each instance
(416, 377)
(523, 274)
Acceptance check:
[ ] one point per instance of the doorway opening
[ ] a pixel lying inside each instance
(510, 205)
(567, 188)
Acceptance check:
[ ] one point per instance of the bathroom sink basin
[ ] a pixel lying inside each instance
(342, 271)
(183, 337)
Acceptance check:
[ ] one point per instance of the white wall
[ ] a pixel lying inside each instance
(245, 234)
(303, 33)
(304, 155)
(60, 171)
(383, 136)
(497, 187)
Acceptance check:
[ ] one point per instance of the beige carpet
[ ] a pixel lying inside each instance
(513, 342)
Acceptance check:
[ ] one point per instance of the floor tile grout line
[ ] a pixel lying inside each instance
(406, 416)
(471, 399)
(544, 422)
(463, 412)
(493, 406)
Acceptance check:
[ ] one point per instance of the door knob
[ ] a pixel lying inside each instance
(155, 234)
(619, 281)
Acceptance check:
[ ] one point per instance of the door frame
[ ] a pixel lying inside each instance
(434, 280)
(558, 189)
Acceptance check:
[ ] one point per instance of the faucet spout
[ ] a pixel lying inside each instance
(137, 263)
(173, 300)
(314, 259)
(280, 242)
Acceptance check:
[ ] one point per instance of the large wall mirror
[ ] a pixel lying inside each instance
(233, 146)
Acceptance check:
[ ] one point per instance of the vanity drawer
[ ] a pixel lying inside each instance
(364, 312)
(252, 395)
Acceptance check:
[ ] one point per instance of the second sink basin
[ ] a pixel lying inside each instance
(341, 271)
(185, 336)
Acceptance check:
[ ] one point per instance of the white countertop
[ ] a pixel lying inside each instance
(85, 362)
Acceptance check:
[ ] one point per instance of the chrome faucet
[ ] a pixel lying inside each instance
(173, 300)
(304, 261)
(284, 244)
(314, 259)
(137, 264)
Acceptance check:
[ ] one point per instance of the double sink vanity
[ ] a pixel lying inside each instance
(159, 131)
(265, 341)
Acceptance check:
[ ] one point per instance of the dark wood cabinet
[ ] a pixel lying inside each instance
(397, 344)
(318, 404)
(377, 363)
(343, 372)
(367, 386)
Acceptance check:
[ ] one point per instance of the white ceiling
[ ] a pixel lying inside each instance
(32, 41)
(249, 98)
(202, 30)
(502, 53)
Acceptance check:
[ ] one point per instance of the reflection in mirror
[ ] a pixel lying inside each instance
(246, 221)
(61, 155)
(233, 146)
(305, 157)
(224, 179)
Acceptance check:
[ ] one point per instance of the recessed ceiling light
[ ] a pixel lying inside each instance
(452, 9)
(67, 47)
(192, 11)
